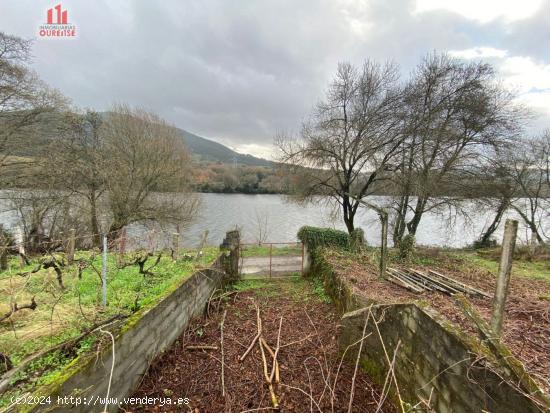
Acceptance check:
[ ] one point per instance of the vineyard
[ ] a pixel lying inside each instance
(52, 304)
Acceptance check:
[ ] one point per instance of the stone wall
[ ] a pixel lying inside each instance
(146, 334)
(434, 361)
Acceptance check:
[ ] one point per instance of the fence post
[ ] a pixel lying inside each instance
(503, 280)
(21, 246)
(384, 244)
(104, 273)
(71, 245)
(3, 249)
(302, 259)
(270, 258)
(175, 245)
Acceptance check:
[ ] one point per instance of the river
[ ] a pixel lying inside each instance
(281, 220)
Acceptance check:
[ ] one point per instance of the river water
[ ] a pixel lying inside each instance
(281, 219)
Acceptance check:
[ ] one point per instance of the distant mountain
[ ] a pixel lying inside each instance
(210, 151)
(202, 149)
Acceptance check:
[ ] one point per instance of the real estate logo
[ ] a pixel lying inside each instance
(57, 24)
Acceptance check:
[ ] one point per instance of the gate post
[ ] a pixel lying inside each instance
(231, 243)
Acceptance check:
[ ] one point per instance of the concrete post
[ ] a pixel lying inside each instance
(232, 242)
(71, 245)
(21, 245)
(503, 280)
(384, 245)
(104, 273)
(175, 245)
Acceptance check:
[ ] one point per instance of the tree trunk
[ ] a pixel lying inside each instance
(399, 225)
(502, 207)
(532, 226)
(348, 220)
(419, 208)
(349, 214)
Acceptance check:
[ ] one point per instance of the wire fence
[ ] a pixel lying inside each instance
(59, 292)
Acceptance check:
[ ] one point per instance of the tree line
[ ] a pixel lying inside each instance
(450, 132)
(95, 173)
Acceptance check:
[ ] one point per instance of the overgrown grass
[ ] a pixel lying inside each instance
(64, 313)
(276, 251)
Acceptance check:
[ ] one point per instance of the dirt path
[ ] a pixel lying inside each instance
(308, 357)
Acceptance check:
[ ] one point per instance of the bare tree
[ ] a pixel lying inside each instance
(529, 170)
(352, 136)
(262, 226)
(455, 110)
(499, 191)
(75, 159)
(24, 99)
(144, 158)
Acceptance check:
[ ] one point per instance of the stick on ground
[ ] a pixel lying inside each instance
(221, 345)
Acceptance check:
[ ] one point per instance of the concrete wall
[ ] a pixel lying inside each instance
(433, 358)
(433, 354)
(146, 334)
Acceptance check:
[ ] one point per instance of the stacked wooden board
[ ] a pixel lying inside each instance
(432, 281)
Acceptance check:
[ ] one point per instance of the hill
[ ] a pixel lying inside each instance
(204, 150)
(209, 151)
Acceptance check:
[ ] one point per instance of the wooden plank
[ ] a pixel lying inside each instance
(416, 281)
(402, 283)
(440, 285)
(397, 275)
(458, 283)
(402, 276)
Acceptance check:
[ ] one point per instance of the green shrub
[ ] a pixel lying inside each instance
(406, 246)
(315, 238)
(357, 239)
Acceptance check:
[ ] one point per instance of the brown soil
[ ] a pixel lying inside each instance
(526, 329)
(309, 354)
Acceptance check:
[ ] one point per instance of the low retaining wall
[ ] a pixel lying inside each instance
(142, 337)
(435, 360)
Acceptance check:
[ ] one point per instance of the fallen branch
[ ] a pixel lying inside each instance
(272, 354)
(191, 348)
(275, 363)
(221, 345)
(256, 337)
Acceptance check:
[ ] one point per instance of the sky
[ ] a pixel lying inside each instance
(240, 71)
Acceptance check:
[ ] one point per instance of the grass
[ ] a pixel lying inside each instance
(535, 268)
(64, 313)
(296, 287)
(276, 251)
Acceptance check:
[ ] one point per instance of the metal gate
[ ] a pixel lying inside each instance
(272, 259)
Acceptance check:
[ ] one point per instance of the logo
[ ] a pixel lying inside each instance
(57, 24)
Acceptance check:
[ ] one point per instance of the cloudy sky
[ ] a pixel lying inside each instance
(239, 71)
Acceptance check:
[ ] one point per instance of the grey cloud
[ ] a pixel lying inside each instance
(239, 71)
